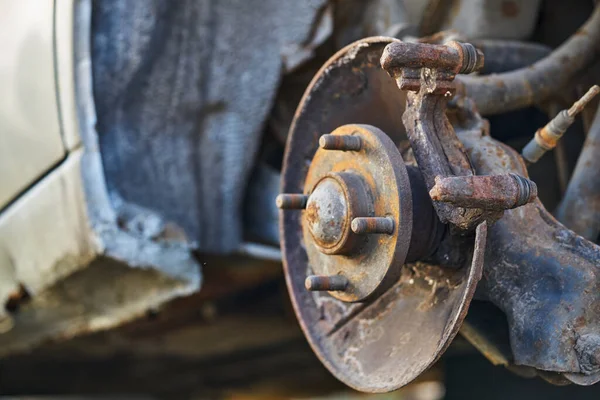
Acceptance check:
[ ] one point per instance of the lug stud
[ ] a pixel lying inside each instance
(365, 225)
(340, 142)
(291, 201)
(326, 283)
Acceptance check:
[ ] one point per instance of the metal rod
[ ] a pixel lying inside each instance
(291, 201)
(340, 142)
(366, 225)
(326, 283)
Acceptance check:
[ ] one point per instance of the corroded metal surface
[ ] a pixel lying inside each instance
(542, 275)
(328, 213)
(384, 342)
(372, 182)
(397, 337)
(427, 71)
(490, 192)
(534, 267)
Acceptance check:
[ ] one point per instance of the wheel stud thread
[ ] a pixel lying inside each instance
(326, 283)
(340, 142)
(367, 225)
(291, 201)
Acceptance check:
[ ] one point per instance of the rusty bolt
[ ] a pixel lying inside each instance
(488, 192)
(340, 142)
(472, 59)
(364, 225)
(291, 201)
(326, 283)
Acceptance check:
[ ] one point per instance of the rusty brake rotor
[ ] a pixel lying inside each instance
(354, 222)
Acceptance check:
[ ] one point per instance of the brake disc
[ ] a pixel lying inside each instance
(355, 222)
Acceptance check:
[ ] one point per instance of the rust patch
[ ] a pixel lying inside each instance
(312, 213)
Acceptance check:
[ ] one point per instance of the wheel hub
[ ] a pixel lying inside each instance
(357, 223)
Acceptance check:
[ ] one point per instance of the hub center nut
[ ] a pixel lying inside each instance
(336, 200)
(327, 213)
